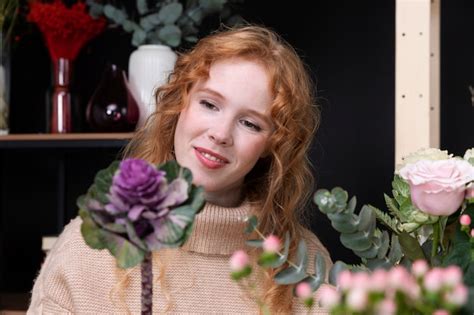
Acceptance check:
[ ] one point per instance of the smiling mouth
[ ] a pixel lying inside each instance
(211, 156)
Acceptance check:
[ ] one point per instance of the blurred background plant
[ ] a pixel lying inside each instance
(8, 13)
(166, 22)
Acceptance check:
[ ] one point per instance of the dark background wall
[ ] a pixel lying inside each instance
(349, 47)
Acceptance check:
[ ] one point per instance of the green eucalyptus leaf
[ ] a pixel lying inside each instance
(358, 241)
(384, 263)
(351, 205)
(195, 14)
(366, 218)
(341, 196)
(115, 14)
(170, 12)
(127, 254)
(395, 253)
(191, 39)
(138, 37)
(323, 199)
(336, 269)
(95, 9)
(142, 7)
(342, 222)
(384, 245)
(368, 253)
(293, 274)
(284, 256)
(130, 26)
(411, 247)
(254, 243)
(211, 6)
(252, 224)
(146, 24)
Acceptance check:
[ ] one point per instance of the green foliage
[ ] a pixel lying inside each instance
(165, 22)
(296, 272)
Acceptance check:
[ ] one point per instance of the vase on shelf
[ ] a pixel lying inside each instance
(149, 67)
(112, 108)
(61, 96)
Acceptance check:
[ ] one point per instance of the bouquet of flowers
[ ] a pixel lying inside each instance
(421, 262)
(134, 208)
(65, 29)
(428, 218)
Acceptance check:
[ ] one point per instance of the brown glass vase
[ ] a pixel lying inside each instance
(61, 97)
(112, 108)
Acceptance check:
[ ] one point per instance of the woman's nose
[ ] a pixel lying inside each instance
(221, 134)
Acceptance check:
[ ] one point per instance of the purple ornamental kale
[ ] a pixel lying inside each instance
(141, 194)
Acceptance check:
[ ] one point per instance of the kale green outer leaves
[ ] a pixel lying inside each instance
(117, 233)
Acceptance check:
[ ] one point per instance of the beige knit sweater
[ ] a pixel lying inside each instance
(77, 279)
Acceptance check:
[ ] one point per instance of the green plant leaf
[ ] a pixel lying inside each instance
(252, 224)
(170, 12)
(254, 243)
(341, 196)
(293, 274)
(138, 37)
(191, 39)
(392, 206)
(212, 6)
(411, 247)
(401, 186)
(91, 233)
(336, 269)
(384, 245)
(142, 7)
(197, 198)
(127, 254)
(351, 205)
(387, 220)
(323, 199)
(171, 35)
(365, 219)
(342, 222)
(130, 26)
(358, 241)
(395, 253)
(115, 14)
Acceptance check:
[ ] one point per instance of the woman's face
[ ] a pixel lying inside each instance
(225, 128)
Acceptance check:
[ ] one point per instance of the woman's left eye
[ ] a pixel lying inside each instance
(251, 125)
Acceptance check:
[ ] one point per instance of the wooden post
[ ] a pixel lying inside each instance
(417, 82)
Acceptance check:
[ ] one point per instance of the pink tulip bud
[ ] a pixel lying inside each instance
(303, 290)
(419, 268)
(272, 244)
(386, 307)
(357, 299)
(239, 260)
(458, 296)
(344, 280)
(328, 297)
(378, 280)
(452, 276)
(465, 219)
(398, 277)
(433, 280)
(441, 312)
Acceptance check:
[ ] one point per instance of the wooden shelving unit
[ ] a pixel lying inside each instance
(71, 140)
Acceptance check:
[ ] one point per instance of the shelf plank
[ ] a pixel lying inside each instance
(70, 140)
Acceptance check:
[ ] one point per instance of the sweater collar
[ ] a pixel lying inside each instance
(219, 230)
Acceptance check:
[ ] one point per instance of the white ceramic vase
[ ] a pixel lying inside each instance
(149, 67)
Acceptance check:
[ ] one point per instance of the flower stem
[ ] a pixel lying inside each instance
(434, 246)
(147, 284)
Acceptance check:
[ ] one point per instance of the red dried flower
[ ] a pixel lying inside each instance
(65, 29)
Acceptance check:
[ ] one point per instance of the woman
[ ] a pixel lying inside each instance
(238, 112)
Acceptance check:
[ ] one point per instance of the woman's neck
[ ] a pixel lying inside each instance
(231, 198)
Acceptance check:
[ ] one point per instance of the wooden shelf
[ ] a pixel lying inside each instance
(70, 140)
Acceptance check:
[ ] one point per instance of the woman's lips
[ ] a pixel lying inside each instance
(210, 159)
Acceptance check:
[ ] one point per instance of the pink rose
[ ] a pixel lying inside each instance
(438, 187)
(272, 244)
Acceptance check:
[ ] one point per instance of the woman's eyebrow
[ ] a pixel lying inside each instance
(212, 92)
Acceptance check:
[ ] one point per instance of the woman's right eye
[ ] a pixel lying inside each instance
(208, 105)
